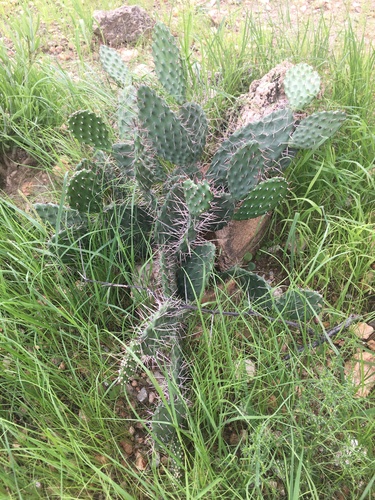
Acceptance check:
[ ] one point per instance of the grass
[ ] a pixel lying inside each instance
(290, 429)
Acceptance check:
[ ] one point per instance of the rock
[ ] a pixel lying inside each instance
(142, 395)
(122, 26)
(238, 238)
(265, 96)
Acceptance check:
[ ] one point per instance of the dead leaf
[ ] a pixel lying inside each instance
(140, 461)
(363, 330)
(361, 371)
(127, 447)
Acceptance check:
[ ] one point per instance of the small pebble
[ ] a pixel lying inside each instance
(142, 395)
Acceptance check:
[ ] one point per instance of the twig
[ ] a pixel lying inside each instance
(328, 335)
(250, 312)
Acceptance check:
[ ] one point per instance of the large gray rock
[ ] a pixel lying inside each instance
(265, 96)
(122, 26)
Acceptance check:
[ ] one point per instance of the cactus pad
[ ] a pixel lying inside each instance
(85, 191)
(197, 196)
(262, 199)
(300, 305)
(272, 133)
(123, 153)
(172, 217)
(89, 128)
(314, 130)
(301, 84)
(222, 210)
(168, 64)
(127, 112)
(51, 213)
(193, 275)
(194, 120)
(166, 132)
(129, 364)
(114, 65)
(244, 170)
(256, 288)
(162, 330)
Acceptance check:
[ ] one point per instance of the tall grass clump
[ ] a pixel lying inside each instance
(36, 95)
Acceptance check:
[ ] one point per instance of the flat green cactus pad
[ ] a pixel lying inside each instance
(195, 271)
(130, 363)
(262, 199)
(257, 289)
(89, 128)
(124, 155)
(194, 120)
(85, 191)
(52, 213)
(168, 64)
(245, 170)
(127, 113)
(314, 130)
(163, 429)
(161, 330)
(300, 305)
(114, 65)
(164, 129)
(222, 210)
(301, 84)
(272, 133)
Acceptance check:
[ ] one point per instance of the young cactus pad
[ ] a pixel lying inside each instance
(262, 199)
(301, 84)
(272, 133)
(114, 65)
(245, 169)
(53, 214)
(197, 196)
(90, 129)
(193, 275)
(168, 64)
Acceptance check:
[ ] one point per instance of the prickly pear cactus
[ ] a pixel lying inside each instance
(198, 197)
(300, 305)
(193, 275)
(114, 65)
(315, 129)
(301, 84)
(160, 150)
(90, 129)
(262, 199)
(85, 191)
(168, 62)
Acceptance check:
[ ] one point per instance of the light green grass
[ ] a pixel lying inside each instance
(294, 429)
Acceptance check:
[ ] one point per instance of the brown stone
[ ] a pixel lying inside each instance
(238, 238)
(122, 26)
